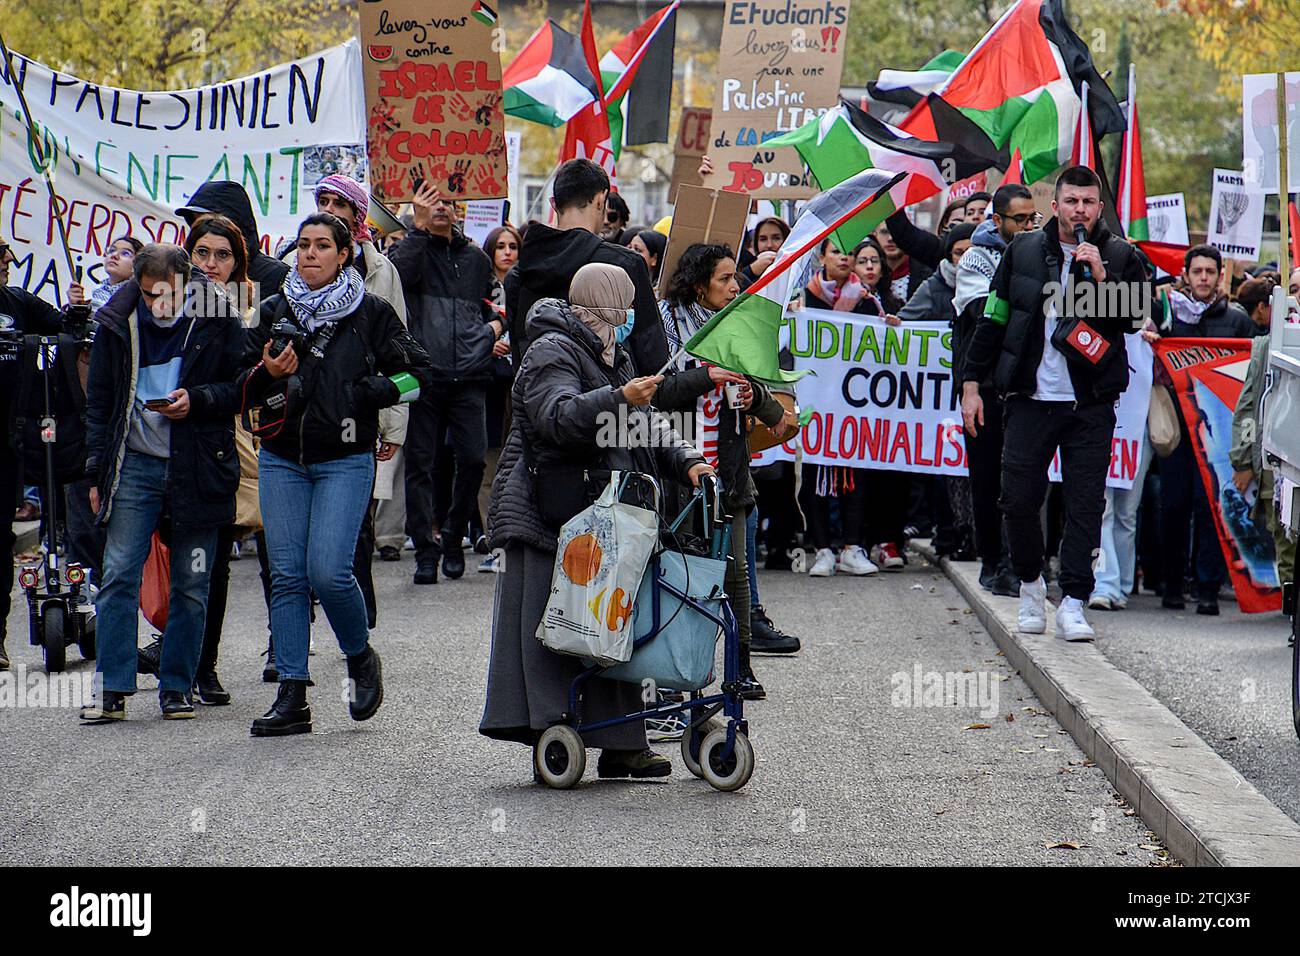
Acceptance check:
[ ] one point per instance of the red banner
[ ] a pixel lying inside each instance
(1208, 376)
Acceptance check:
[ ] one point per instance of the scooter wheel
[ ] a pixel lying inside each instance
(559, 757)
(691, 751)
(730, 773)
(53, 643)
(86, 640)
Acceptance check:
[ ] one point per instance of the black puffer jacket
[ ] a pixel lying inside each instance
(1222, 319)
(204, 471)
(547, 263)
(1009, 337)
(448, 284)
(350, 383)
(563, 396)
(229, 199)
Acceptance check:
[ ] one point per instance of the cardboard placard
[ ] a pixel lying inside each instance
(692, 143)
(703, 215)
(1167, 219)
(779, 67)
(433, 98)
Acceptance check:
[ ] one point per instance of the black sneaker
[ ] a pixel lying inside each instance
(389, 553)
(367, 677)
(1006, 584)
(209, 691)
(110, 709)
(766, 637)
(637, 764)
(148, 658)
(426, 570)
(175, 705)
(453, 557)
(1173, 602)
(1208, 606)
(481, 544)
(288, 715)
(988, 575)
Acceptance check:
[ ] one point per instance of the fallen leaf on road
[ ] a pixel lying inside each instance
(1041, 736)
(918, 587)
(977, 727)
(1063, 845)
(1011, 718)
(939, 813)
(1149, 846)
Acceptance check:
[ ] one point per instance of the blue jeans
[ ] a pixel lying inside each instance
(751, 546)
(137, 503)
(312, 515)
(1113, 576)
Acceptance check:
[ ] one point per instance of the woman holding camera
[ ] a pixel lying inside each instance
(328, 357)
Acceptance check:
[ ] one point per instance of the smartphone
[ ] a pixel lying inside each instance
(158, 404)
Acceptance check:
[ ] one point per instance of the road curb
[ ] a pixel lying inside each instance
(1201, 807)
(27, 536)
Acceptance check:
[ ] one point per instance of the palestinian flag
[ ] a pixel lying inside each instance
(549, 81)
(846, 140)
(483, 13)
(909, 87)
(1165, 255)
(1132, 181)
(1015, 171)
(624, 83)
(1020, 88)
(1083, 153)
(587, 135)
(743, 337)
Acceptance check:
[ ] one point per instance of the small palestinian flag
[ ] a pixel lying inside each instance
(483, 13)
(408, 389)
(549, 82)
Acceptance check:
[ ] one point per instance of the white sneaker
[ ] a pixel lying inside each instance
(854, 560)
(1032, 618)
(1101, 602)
(1071, 625)
(823, 564)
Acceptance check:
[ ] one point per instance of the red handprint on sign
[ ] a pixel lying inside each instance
(485, 181)
(460, 108)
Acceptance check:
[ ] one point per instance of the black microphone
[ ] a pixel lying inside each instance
(1080, 237)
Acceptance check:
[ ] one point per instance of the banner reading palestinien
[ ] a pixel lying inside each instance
(779, 67)
(1207, 376)
(433, 98)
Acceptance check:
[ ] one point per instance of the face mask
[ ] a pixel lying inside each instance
(622, 332)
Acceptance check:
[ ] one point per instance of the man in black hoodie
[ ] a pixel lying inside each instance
(550, 257)
(228, 199)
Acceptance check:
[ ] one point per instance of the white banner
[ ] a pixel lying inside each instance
(1167, 219)
(882, 397)
(1236, 217)
(123, 160)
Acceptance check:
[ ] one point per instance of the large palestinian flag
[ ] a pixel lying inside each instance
(550, 80)
(623, 81)
(844, 141)
(909, 87)
(1132, 180)
(1020, 89)
(743, 337)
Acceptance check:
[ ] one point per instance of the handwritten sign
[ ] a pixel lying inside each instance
(779, 67)
(692, 143)
(433, 98)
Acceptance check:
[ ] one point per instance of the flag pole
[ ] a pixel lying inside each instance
(35, 141)
(1283, 182)
(672, 360)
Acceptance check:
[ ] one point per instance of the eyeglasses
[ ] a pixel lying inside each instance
(1023, 218)
(4, 250)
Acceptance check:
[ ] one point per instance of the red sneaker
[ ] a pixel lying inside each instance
(886, 556)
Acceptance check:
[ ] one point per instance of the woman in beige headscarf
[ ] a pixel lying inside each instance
(569, 389)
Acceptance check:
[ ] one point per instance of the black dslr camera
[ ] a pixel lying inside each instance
(285, 334)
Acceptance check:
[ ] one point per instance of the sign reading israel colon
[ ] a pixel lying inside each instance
(433, 98)
(123, 160)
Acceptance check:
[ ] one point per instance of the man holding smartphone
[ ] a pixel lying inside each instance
(160, 438)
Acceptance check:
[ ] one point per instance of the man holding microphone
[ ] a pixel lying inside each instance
(1056, 352)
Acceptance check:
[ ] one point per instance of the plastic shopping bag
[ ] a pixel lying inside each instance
(156, 583)
(601, 558)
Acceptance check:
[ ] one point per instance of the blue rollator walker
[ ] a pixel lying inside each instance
(680, 610)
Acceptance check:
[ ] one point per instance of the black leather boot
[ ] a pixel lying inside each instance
(367, 676)
(270, 674)
(288, 715)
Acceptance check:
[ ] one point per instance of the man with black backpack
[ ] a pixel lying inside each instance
(1052, 335)
(21, 313)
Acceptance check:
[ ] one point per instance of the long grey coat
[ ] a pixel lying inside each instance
(561, 390)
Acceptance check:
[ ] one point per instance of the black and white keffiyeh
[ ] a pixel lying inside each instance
(315, 308)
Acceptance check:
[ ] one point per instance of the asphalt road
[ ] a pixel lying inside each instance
(845, 773)
(1228, 678)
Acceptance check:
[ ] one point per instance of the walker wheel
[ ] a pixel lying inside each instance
(691, 748)
(559, 757)
(733, 772)
(54, 641)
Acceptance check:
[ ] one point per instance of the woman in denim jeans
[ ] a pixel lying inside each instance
(326, 357)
